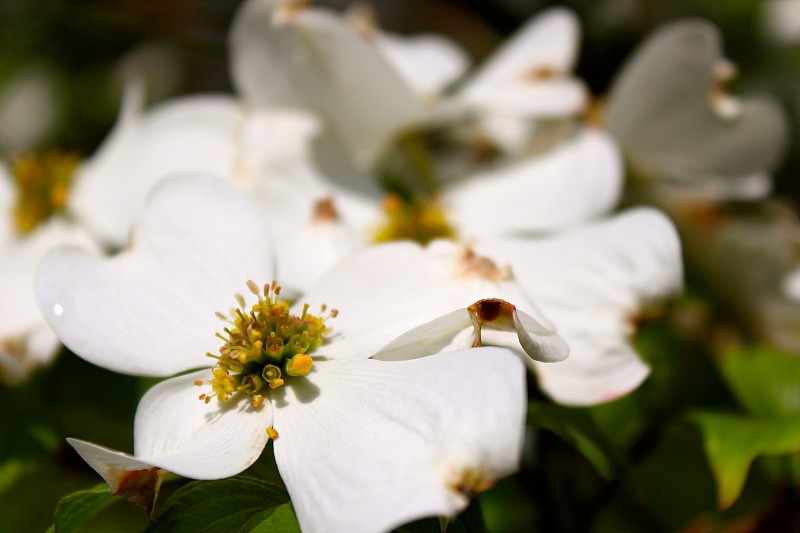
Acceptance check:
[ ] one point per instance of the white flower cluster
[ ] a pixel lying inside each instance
(415, 399)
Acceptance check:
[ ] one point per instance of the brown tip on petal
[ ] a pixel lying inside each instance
(541, 72)
(140, 487)
(361, 18)
(325, 211)
(491, 310)
(288, 11)
(472, 265)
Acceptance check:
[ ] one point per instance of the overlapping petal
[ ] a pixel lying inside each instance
(384, 443)
(151, 308)
(529, 74)
(310, 58)
(579, 180)
(195, 134)
(427, 63)
(405, 286)
(595, 283)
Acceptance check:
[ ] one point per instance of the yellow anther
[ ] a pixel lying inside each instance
(272, 433)
(275, 383)
(299, 365)
(256, 401)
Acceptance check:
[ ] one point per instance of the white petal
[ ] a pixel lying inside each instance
(593, 282)
(18, 311)
(110, 464)
(307, 251)
(791, 285)
(456, 331)
(386, 291)
(661, 110)
(176, 431)
(7, 199)
(428, 63)
(310, 58)
(535, 99)
(382, 443)
(150, 310)
(547, 42)
(193, 134)
(579, 180)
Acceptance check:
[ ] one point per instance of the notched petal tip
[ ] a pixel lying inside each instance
(126, 476)
(540, 343)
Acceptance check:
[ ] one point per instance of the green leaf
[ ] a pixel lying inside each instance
(577, 428)
(765, 381)
(74, 510)
(732, 442)
(237, 504)
(280, 519)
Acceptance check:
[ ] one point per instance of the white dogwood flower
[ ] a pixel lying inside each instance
(539, 218)
(313, 382)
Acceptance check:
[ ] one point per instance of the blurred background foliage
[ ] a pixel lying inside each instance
(661, 459)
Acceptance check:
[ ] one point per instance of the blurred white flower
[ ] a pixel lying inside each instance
(669, 110)
(25, 339)
(333, 415)
(781, 19)
(375, 85)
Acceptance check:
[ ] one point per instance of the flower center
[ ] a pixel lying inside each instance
(42, 184)
(418, 219)
(264, 346)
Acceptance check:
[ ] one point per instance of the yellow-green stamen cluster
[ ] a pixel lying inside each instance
(265, 346)
(418, 220)
(42, 184)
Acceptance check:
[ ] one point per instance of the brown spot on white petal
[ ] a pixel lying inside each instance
(470, 481)
(542, 72)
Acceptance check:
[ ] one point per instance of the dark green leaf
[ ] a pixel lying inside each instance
(75, 509)
(577, 427)
(732, 442)
(230, 505)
